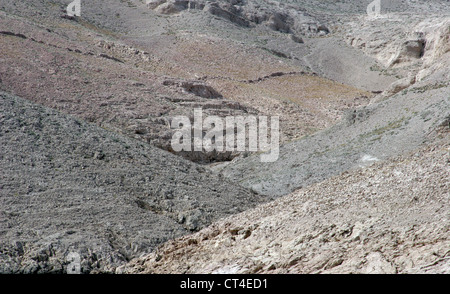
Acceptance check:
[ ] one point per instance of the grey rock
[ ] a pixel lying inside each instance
(58, 198)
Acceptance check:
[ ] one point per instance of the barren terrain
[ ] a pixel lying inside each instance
(361, 184)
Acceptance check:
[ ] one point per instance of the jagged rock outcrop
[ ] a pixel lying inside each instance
(409, 51)
(289, 19)
(226, 11)
(171, 7)
(398, 86)
(196, 88)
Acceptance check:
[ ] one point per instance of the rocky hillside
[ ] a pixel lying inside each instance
(385, 208)
(361, 184)
(398, 120)
(69, 186)
(391, 217)
(389, 127)
(132, 69)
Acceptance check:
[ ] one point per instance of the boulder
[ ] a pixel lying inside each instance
(278, 22)
(173, 6)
